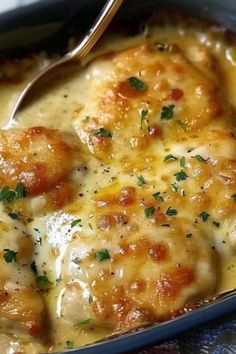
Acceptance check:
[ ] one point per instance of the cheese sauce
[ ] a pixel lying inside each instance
(129, 169)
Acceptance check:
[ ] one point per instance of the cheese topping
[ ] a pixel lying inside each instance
(118, 190)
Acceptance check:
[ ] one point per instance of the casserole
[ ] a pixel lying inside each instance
(126, 195)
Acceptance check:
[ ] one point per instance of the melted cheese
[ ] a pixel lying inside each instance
(125, 235)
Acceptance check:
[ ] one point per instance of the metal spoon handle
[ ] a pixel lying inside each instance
(79, 52)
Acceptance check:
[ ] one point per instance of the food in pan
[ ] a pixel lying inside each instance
(118, 188)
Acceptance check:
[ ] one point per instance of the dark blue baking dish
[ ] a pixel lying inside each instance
(47, 25)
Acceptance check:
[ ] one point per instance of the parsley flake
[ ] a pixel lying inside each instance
(188, 235)
(76, 260)
(69, 344)
(137, 84)
(182, 161)
(34, 267)
(216, 223)
(9, 255)
(75, 222)
(174, 187)
(169, 157)
(102, 132)
(102, 255)
(171, 212)
(20, 191)
(85, 322)
(233, 196)
(43, 281)
(13, 216)
(180, 176)
(143, 114)
(8, 195)
(158, 196)
(90, 299)
(204, 216)
(199, 158)
(140, 180)
(86, 119)
(149, 211)
(167, 112)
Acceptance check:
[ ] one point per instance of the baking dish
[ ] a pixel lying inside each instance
(61, 24)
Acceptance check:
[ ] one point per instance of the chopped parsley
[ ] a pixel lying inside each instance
(143, 114)
(182, 161)
(43, 281)
(169, 157)
(102, 132)
(102, 255)
(171, 212)
(233, 196)
(90, 226)
(167, 112)
(174, 187)
(76, 260)
(188, 235)
(20, 191)
(149, 211)
(162, 47)
(9, 255)
(216, 223)
(69, 344)
(199, 158)
(158, 196)
(34, 267)
(13, 216)
(137, 84)
(90, 299)
(75, 222)
(8, 195)
(85, 322)
(86, 119)
(204, 216)
(140, 180)
(180, 176)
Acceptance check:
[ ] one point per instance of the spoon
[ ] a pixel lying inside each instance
(78, 53)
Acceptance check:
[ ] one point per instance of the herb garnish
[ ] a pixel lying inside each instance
(233, 196)
(204, 216)
(180, 176)
(171, 212)
(102, 132)
(174, 187)
(149, 211)
(158, 196)
(188, 235)
(167, 112)
(199, 158)
(8, 195)
(34, 267)
(169, 157)
(137, 84)
(102, 255)
(13, 216)
(182, 161)
(140, 180)
(9, 255)
(143, 114)
(86, 119)
(69, 344)
(90, 299)
(75, 222)
(43, 281)
(216, 223)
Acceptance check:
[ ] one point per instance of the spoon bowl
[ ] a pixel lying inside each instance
(78, 53)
